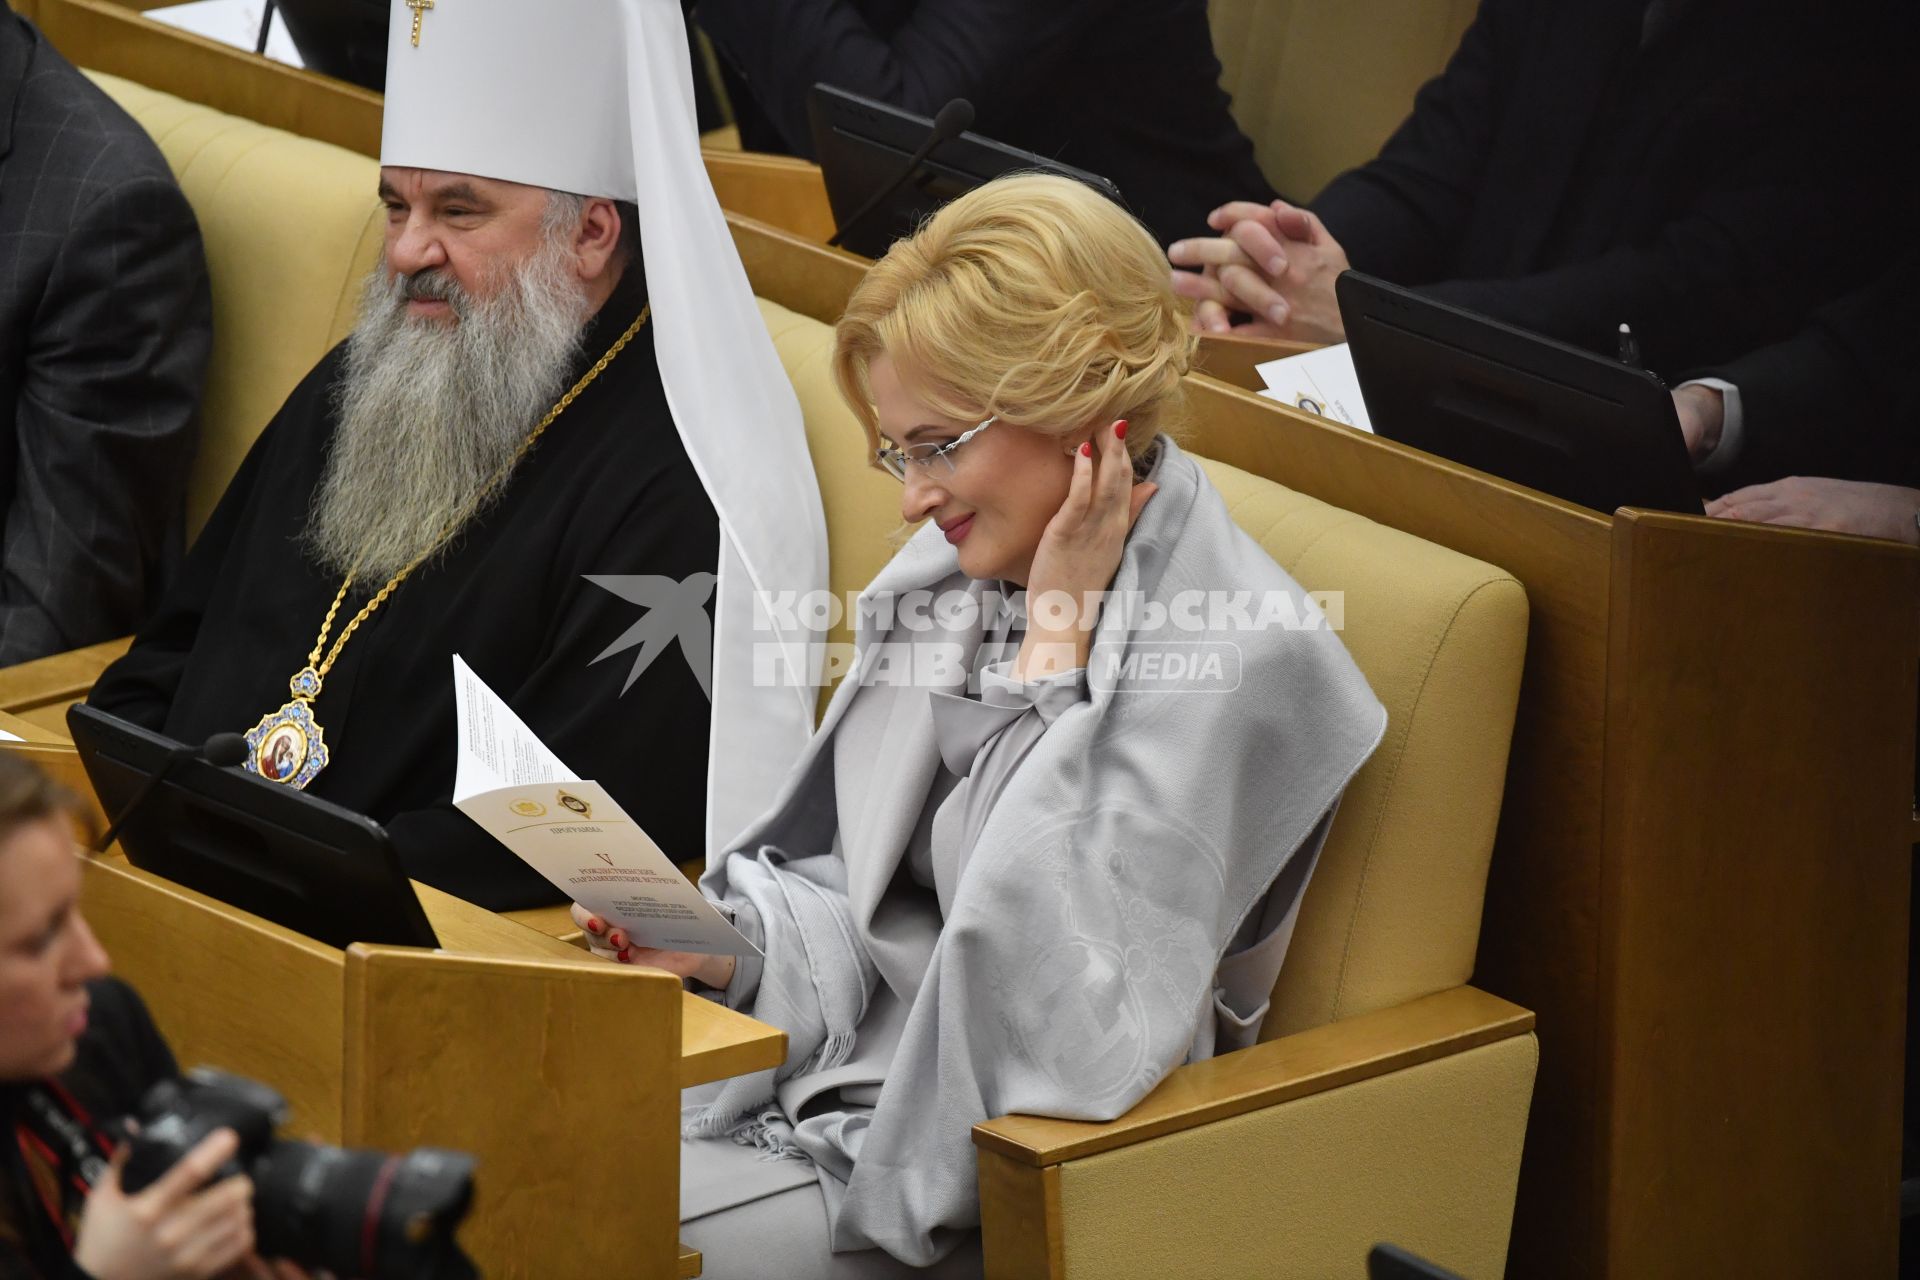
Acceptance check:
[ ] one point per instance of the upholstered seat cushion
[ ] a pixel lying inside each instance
(291, 227)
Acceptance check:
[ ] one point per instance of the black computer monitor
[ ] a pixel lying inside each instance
(1389, 1262)
(345, 39)
(291, 858)
(1525, 408)
(862, 146)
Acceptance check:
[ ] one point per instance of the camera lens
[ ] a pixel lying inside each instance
(363, 1213)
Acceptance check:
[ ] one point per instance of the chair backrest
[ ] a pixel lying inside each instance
(1319, 84)
(1393, 912)
(291, 226)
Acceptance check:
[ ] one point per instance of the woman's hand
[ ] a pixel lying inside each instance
(177, 1229)
(1078, 555)
(613, 944)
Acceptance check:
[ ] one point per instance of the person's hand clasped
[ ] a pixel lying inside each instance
(179, 1228)
(1836, 506)
(1276, 263)
(612, 943)
(1078, 555)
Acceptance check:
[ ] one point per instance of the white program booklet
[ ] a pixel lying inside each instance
(572, 832)
(1321, 382)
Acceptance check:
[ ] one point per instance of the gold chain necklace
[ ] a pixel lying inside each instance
(288, 745)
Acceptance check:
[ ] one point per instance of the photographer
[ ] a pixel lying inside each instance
(77, 1050)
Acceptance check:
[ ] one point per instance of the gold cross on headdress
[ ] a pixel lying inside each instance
(419, 8)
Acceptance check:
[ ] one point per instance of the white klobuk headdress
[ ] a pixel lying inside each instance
(595, 97)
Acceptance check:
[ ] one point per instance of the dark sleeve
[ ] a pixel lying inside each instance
(1838, 398)
(106, 425)
(982, 50)
(1399, 215)
(646, 744)
(140, 686)
(1712, 282)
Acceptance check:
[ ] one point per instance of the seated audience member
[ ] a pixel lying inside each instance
(1127, 89)
(1836, 399)
(105, 324)
(1822, 430)
(993, 811)
(1582, 165)
(77, 1051)
(489, 467)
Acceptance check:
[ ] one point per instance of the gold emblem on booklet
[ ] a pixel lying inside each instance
(575, 803)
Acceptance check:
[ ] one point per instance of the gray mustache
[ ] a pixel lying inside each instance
(432, 286)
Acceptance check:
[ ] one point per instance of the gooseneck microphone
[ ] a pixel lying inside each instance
(953, 120)
(223, 749)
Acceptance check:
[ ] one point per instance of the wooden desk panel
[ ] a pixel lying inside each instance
(1759, 768)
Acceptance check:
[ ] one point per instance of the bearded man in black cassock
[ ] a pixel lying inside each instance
(492, 300)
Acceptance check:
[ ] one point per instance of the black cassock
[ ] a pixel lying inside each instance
(607, 490)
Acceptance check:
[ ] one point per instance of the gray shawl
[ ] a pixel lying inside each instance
(1131, 851)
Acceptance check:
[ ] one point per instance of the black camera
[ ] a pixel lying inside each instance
(365, 1214)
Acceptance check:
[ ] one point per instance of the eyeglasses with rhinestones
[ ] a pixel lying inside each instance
(937, 458)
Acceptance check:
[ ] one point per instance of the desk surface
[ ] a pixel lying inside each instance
(25, 730)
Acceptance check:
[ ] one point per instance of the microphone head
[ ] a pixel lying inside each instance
(225, 750)
(953, 119)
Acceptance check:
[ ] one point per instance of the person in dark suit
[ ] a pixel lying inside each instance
(1127, 89)
(1836, 400)
(105, 324)
(1706, 171)
(1821, 431)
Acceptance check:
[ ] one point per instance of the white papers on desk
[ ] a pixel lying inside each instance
(1322, 382)
(572, 832)
(10, 737)
(231, 22)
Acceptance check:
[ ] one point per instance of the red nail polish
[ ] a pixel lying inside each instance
(594, 925)
(624, 955)
(1120, 429)
(1086, 450)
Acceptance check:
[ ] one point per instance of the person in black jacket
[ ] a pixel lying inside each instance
(77, 1051)
(1706, 171)
(105, 325)
(1127, 89)
(1821, 431)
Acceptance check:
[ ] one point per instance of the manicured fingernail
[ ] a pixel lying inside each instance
(595, 925)
(624, 955)
(1120, 429)
(1086, 450)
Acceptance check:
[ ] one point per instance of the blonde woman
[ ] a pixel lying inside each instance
(1036, 855)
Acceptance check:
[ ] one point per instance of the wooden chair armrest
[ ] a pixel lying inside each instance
(1295, 1066)
(58, 677)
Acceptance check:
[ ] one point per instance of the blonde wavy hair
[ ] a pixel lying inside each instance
(1032, 299)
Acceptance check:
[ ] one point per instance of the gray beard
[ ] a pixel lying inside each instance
(430, 413)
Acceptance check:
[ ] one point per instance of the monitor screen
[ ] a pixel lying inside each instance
(291, 858)
(864, 145)
(1553, 417)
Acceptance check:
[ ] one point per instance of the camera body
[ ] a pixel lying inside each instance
(367, 1214)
